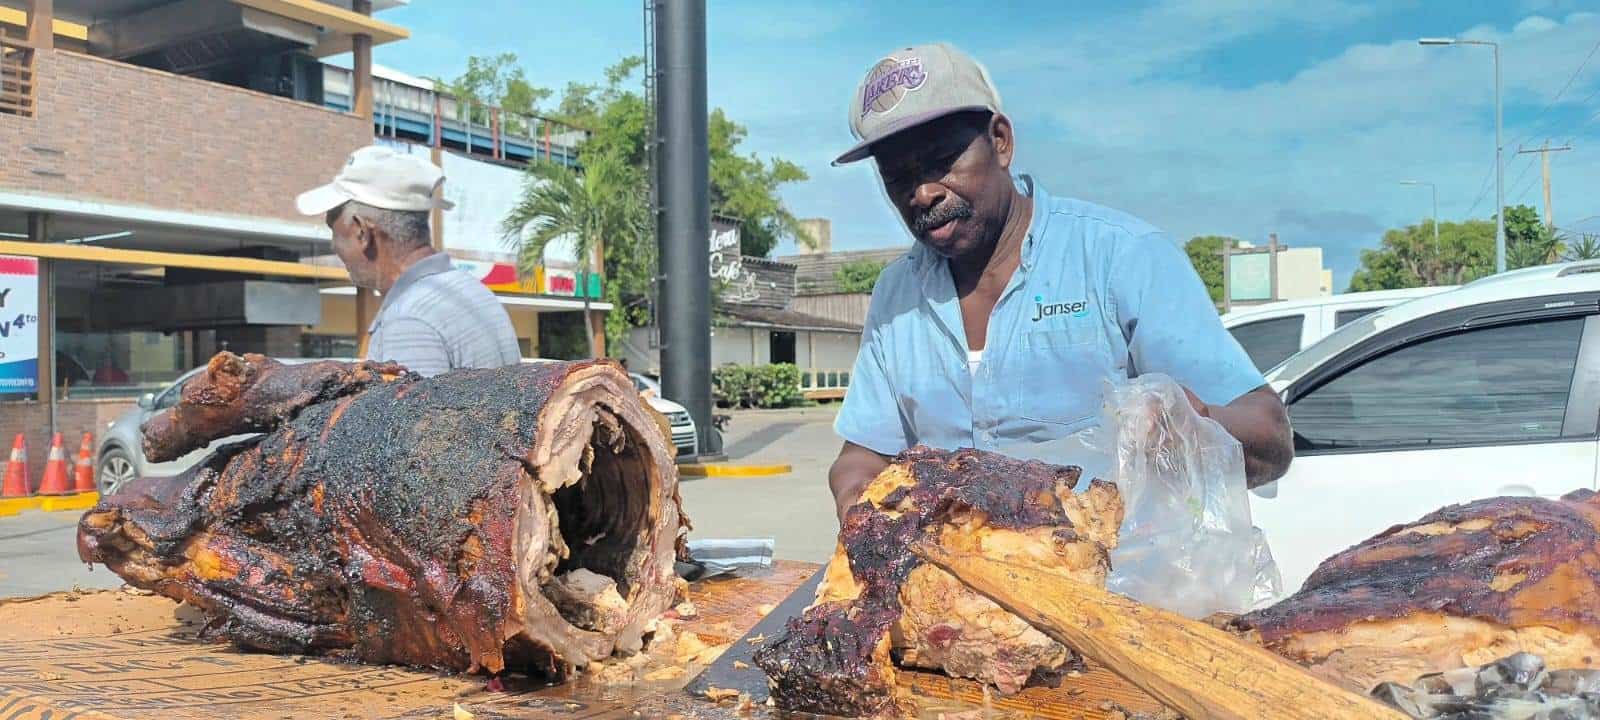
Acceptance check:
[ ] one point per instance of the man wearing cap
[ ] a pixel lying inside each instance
(434, 318)
(1002, 323)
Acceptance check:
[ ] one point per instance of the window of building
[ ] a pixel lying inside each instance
(1489, 386)
(1269, 342)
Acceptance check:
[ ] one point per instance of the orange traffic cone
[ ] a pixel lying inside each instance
(83, 468)
(55, 471)
(17, 483)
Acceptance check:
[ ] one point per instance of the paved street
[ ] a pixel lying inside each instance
(38, 552)
(796, 509)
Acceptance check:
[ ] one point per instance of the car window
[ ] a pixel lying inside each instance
(172, 395)
(1342, 318)
(1269, 342)
(1486, 386)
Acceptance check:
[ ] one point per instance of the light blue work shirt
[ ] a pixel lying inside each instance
(1098, 295)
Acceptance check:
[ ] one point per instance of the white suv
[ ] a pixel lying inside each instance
(1272, 332)
(1492, 389)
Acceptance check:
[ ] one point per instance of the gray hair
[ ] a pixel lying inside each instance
(408, 228)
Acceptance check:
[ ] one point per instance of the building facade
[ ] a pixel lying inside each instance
(150, 154)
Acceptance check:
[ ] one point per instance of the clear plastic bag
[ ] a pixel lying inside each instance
(1186, 544)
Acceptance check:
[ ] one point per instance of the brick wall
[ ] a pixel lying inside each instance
(73, 419)
(119, 133)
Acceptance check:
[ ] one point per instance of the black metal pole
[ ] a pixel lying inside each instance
(684, 220)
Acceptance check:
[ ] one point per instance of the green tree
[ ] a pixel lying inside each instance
(742, 186)
(1408, 257)
(496, 81)
(1586, 247)
(746, 187)
(590, 210)
(1205, 253)
(1529, 241)
(858, 276)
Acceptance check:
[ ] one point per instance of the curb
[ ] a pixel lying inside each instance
(12, 506)
(76, 501)
(725, 470)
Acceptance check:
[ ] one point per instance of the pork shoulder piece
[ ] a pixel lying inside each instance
(522, 517)
(878, 601)
(1460, 587)
(240, 394)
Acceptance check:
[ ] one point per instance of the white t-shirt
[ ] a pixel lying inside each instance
(974, 359)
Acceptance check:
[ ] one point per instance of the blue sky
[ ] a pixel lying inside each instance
(1237, 117)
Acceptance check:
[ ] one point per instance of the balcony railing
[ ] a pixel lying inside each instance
(404, 110)
(16, 77)
(824, 383)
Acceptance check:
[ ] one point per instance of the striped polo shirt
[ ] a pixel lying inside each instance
(437, 318)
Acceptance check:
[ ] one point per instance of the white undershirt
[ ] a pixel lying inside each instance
(974, 358)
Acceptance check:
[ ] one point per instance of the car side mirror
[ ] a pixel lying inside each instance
(147, 401)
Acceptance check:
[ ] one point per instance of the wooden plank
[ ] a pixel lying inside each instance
(250, 266)
(1192, 667)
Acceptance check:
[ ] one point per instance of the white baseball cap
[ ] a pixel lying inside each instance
(914, 86)
(380, 177)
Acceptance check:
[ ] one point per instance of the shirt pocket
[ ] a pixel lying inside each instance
(1058, 376)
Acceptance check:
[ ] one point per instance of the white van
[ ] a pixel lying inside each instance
(1272, 332)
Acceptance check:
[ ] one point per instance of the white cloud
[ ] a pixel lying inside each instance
(1318, 154)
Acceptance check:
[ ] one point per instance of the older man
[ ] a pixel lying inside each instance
(434, 318)
(1003, 322)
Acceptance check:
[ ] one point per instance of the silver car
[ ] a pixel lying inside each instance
(121, 450)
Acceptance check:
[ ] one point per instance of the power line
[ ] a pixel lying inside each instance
(1483, 189)
(1563, 91)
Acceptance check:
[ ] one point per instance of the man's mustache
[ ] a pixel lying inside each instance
(945, 212)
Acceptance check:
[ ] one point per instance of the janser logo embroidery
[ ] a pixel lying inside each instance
(1042, 310)
(888, 82)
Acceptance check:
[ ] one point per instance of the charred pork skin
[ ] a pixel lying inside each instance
(1458, 588)
(878, 602)
(524, 517)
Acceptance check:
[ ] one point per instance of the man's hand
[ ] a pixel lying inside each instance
(852, 471)
(1199, 406)
(1258, 420)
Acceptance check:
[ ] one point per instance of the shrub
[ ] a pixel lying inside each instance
(756, 386)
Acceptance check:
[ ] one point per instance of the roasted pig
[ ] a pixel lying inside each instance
(525, 517)
(1458, 588)
(878, 602)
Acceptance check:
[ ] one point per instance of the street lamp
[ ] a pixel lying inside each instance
(1435, 189)
(1499, 164)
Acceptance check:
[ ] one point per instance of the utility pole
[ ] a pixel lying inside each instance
(1499, 151)
(1544, 157)
(683, 225)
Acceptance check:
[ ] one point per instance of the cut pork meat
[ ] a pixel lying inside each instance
(878, 602)
(524, 517)
(1458, 588)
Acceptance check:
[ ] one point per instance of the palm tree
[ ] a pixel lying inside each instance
(604, 201)
(1587, 247)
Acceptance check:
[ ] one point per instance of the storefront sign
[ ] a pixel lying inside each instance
(498, 276)
(1251, 276)
(19, 312)
(725, 263)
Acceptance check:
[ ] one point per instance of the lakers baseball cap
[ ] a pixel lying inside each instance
(380, 177)
(913, 86)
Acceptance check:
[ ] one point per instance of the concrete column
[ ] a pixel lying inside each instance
(365, 303)
(39, 231)
(599, 323)
(41, 28)
(361, 45)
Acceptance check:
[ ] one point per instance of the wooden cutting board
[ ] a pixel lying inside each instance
(747, 678)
